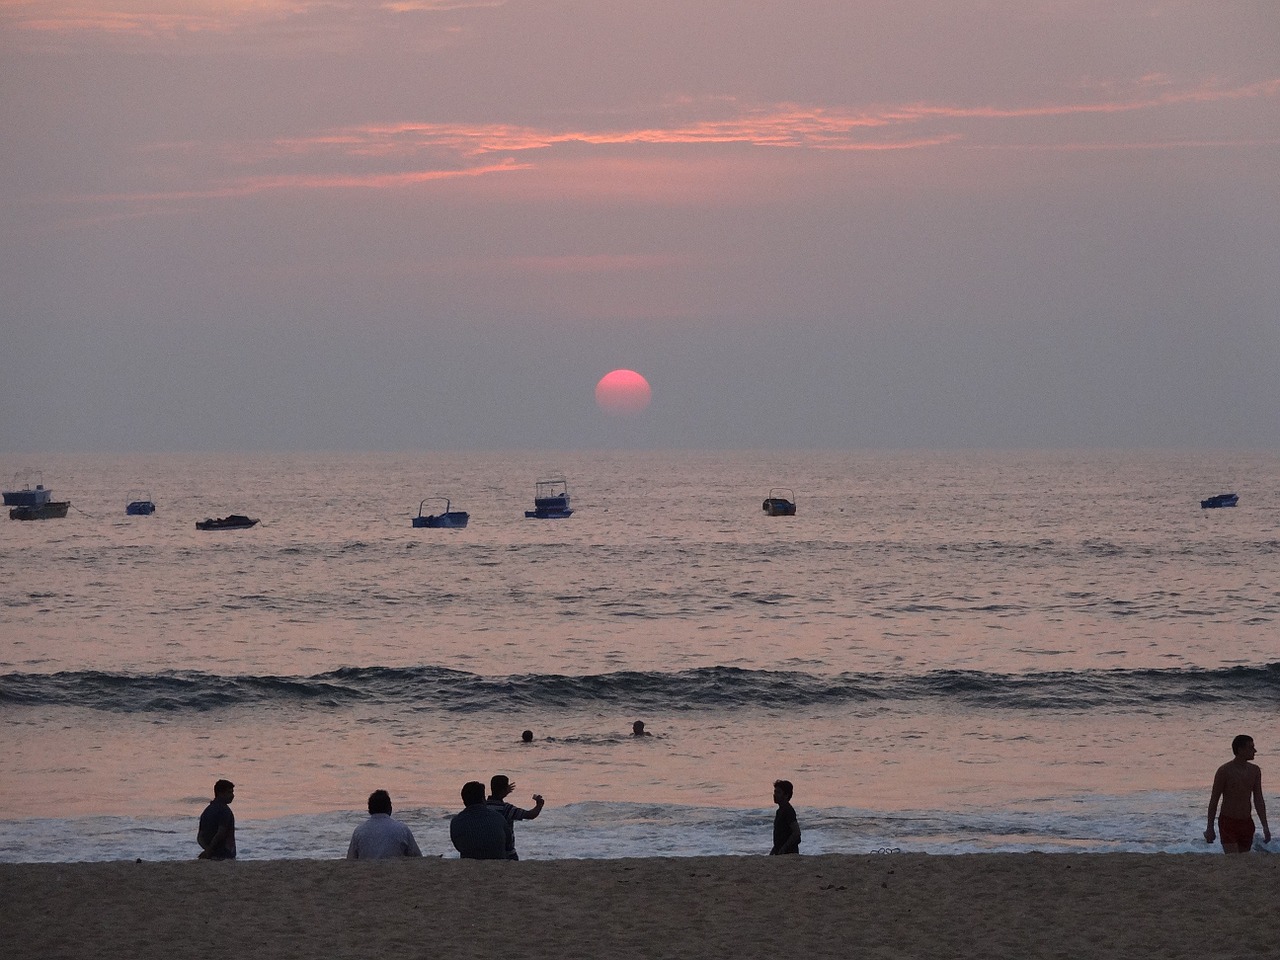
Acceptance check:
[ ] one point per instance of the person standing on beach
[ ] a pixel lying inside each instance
(786, 825)
(380, 837)
(479, 832)
(1238, 783)
(217, 831)
(499, 789)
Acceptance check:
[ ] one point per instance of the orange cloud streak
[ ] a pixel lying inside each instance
(445, 151)
(786, 126)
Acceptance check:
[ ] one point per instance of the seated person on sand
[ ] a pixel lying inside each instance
(499, 789)
(786, 826)
(479, 832)
(217, 831)
(638, 730)
(1238, 782)
(380, 837)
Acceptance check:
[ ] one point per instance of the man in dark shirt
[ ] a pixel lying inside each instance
(479, 832)
(786, 826)
(217, 832)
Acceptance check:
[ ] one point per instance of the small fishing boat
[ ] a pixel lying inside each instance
(233, 522)
(25, 494)
(550, 500)
(781, 502)
(1219, 500)
(48, 510)
(140, 504)
(456, 519)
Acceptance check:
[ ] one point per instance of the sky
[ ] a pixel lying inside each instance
(435, 224)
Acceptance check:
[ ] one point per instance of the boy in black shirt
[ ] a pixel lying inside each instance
(786, 828)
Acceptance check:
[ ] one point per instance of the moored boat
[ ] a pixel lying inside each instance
(25, 494)
(140, 504)
(48, 510)
(456, 519)
(1219, 500)
(550, 500)
(235, 521)
(781, 502)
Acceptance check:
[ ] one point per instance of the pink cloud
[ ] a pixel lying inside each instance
(674, 160)
(783, 126)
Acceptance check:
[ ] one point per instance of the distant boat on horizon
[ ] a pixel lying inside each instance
(49, 510)
(446, 518)
(550, 500)
(1219, 500)
(24, 494)
(234, 521)
(781, 502)
(33, 502)
(139, 504)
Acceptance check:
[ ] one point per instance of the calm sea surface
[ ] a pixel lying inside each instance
(945, 652)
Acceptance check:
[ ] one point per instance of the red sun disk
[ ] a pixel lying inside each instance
(623, 392)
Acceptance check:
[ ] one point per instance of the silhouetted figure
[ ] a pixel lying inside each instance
(499, 789)
(479, 832)
(217, 831)
(786, 826)
(1238, 782)
(380, 837)
(638, 730)
(527, 736)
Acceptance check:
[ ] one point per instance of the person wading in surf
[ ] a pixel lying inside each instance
(1238, 782)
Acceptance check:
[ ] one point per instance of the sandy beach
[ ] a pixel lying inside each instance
(1014, 905)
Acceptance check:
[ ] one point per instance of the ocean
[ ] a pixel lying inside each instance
(945, 652)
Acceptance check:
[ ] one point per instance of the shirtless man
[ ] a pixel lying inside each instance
(1238, 782)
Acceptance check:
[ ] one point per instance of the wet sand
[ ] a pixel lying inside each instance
(896, 905)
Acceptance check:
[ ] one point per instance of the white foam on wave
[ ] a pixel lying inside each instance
(1158, 822)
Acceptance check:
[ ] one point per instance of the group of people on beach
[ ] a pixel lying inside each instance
(485, 827)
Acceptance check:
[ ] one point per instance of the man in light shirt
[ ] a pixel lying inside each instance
(380, 837)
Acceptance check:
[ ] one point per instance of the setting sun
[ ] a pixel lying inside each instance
(623, 392)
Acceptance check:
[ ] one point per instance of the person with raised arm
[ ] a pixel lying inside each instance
(500, 787)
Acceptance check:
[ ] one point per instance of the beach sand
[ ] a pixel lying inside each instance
(893, 905)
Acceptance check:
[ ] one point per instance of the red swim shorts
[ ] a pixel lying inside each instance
(1236, 833)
